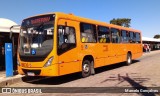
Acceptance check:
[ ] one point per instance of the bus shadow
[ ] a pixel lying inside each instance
(114, 66)
(68, 78)
(51, 80)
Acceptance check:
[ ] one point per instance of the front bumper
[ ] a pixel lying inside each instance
(45, 71)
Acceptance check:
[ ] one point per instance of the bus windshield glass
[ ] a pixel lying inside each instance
(36, 36)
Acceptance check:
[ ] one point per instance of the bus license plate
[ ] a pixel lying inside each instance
(30, 74)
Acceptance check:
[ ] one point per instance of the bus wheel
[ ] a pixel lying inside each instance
(86, 68)
(129, 59)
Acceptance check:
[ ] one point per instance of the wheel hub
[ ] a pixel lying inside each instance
(86, 68)
(129, 60)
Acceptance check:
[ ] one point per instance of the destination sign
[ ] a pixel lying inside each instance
(38, 20)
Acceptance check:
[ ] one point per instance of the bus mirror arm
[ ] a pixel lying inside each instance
(11, 32)
(10, 35)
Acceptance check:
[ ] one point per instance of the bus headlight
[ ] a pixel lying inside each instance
(49, 62)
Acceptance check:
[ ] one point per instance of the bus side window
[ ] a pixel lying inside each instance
(138, 40)
(66, 39)
(124, 36)
(88, 33)
(131, 37)
(103, 34)
(115, 34)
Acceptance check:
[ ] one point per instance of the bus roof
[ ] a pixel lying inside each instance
(87, 20)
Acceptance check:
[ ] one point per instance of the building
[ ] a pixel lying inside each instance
(5, 25)
(152, 42)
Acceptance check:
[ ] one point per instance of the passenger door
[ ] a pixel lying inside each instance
(67, 51)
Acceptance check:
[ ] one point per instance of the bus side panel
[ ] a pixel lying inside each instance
(124, 49)
(110, 54)
(100, 55)
(114, 54)
(89, 49)
(137, 51)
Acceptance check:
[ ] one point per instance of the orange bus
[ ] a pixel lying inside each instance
(56, 44)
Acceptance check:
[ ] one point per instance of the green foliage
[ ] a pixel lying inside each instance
(157, 36)
(125, 22)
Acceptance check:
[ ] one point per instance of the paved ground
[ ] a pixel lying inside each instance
(144, 72)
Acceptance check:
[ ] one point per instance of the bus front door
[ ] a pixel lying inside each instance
(67, 51)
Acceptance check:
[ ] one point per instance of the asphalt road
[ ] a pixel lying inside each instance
(143, 73)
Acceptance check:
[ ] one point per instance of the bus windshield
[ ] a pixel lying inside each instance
(36, 36)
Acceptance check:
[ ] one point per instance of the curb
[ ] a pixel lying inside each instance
(6, 81)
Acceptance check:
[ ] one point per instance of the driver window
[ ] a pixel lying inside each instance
(66, 39)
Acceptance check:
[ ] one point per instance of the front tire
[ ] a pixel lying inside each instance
(86, 68)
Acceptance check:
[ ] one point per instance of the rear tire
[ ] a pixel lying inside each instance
(86, 68)
(129, 59)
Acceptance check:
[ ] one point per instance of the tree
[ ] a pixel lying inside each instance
(157, 36)
(121, 22)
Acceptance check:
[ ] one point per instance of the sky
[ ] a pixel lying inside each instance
(144, 14)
